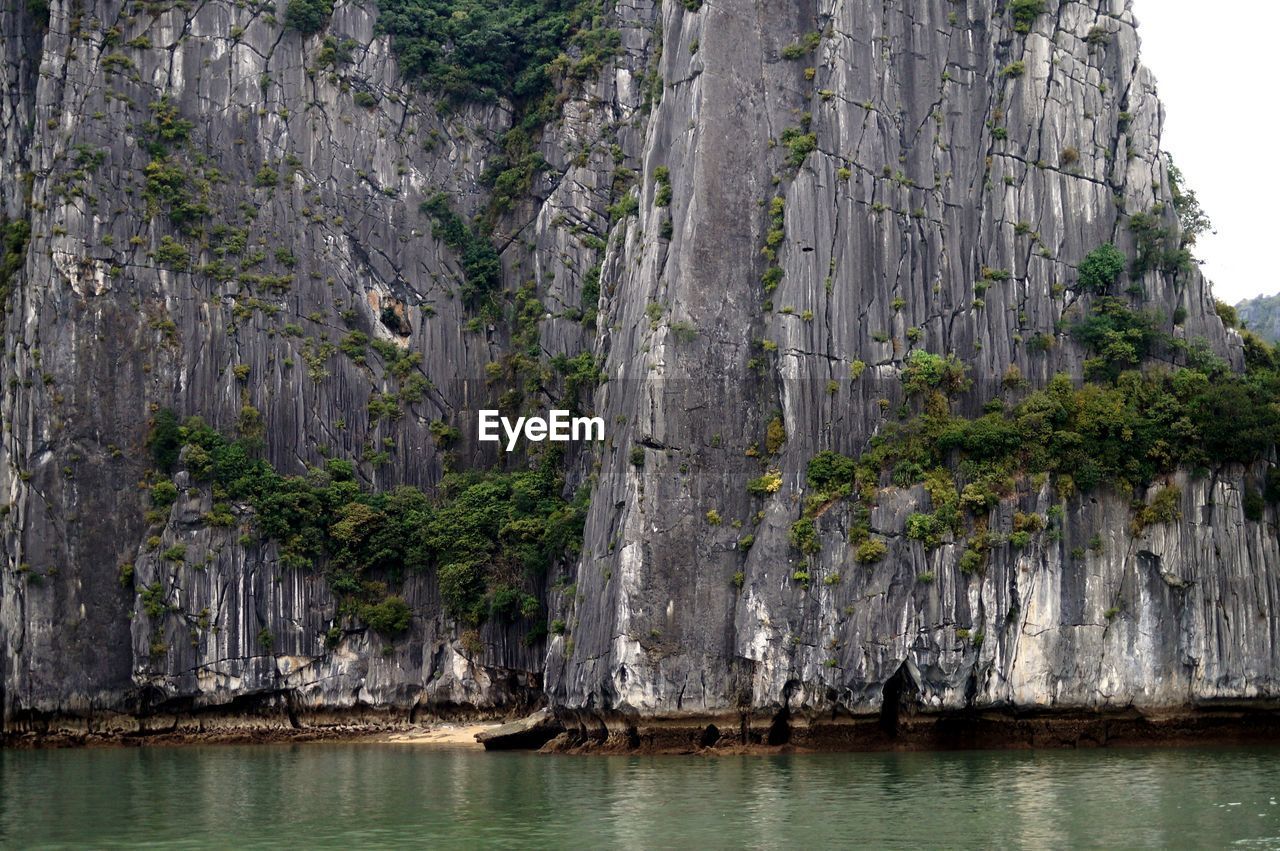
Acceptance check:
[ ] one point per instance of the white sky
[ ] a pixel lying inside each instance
(1216, 68)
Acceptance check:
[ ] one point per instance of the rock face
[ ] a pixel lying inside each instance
(530, 732)
(1262, 316)
(915, 148)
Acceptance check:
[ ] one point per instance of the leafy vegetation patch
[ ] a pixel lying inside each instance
(172, 183)
(481, 267)
(489, 537)
(1123, 432)
(806, 44)
(476, 50)
(14, 238)
(39, 10)
(773, 239)
(1160, 249)
(1025, 13)
(1101, 268)
(1121, 339)
(307, 16)
(799, 141)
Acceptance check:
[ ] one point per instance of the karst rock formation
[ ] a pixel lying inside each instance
(767, 204)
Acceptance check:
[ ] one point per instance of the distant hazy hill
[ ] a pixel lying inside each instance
(1262, 316)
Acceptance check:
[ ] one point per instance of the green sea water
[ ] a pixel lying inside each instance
(407, 796)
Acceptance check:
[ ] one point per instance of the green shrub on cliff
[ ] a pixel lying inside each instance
(805, 44)
(662, 181)
(923, 371)
(1227, 314)
(166, 128)
(476, 528)
(171, 187)
(520, 50)
(1159, 247)
(307, 16)
(164, 493)
(804, 536)
(391, 617)
(1025, 13)
(39, 11)
(165, 440)
(480, 49)
(14, 238)
(766, 485)
(1101, 268)
(481, 266)
(1119, 338)
(775, 436)
(1123, 432)
(1165, 507)
(1014, 70)
(871, 551)
(799, 144)
(828, 470)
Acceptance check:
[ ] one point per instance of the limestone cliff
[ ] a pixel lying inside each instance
(901, 152)
(1261, 315)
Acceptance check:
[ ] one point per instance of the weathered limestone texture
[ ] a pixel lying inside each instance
(933, 159)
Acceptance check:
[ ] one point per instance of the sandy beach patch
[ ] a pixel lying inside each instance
(453, 735)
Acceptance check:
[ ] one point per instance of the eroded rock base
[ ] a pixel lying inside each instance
(272, 721)
(990, 730)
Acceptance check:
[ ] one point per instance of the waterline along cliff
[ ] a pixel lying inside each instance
(916, 403)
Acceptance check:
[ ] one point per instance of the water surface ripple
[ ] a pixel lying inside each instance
(404, 796)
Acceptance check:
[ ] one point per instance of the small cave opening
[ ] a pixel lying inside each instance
(291, 708)
(709, 736)
(901, 696)
(780, 730)
(392, 315)
(1148, 560)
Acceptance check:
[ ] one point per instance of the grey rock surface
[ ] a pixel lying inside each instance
(904, 98)
(932, 160)
(530, 732)
(1261, 315)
